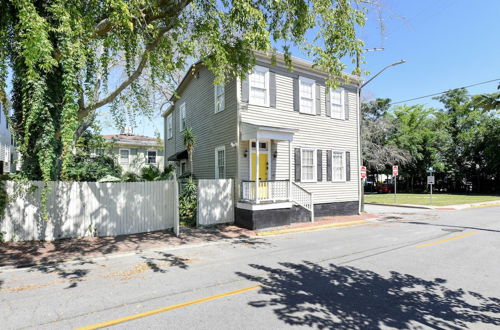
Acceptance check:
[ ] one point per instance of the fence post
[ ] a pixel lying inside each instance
(176, 206)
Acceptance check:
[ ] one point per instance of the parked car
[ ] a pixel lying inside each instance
(383, 188)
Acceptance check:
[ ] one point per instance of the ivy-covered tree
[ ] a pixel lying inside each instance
(68, 58)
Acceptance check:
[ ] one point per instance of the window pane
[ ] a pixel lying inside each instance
(338, 166)
(220, 164)
(308, 165)
(151, 157)
(124, 156)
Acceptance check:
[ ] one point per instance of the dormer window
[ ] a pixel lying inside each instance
(259, 86)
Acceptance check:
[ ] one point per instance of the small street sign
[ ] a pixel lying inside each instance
(430, 179)
(395, 170)
(362, 172)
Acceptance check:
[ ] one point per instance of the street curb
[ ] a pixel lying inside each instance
(410, 206)
(297, 230)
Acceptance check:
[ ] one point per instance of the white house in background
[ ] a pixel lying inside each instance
(8, 151)
(290, 143)
(134, 152)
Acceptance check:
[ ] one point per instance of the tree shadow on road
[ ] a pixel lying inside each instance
(164, 260)
(67, 272)
(351, 298)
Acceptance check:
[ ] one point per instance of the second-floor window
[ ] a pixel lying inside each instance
(337, 103)
(182, 117)
(170, 132)
(219, 98)
(307, 93)
(259, 86)
(308, 165)
(151, 157)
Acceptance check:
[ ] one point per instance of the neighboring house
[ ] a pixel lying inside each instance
(8, 152)
(134, 152)
(286, 139)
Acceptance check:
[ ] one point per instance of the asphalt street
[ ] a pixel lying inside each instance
(409, 269)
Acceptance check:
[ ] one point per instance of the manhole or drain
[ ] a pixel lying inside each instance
(452, 230)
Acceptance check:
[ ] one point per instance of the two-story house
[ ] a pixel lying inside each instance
(134, 152)
(290, 143)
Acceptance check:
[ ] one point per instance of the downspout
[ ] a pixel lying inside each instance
(238, 118)
(360, 159)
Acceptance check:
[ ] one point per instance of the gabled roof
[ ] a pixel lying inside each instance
(132, 140)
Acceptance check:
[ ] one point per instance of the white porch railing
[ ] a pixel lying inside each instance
(268, 191)
(304, 198)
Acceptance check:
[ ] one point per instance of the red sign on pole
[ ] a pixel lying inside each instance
(362, 172)
(395, 170)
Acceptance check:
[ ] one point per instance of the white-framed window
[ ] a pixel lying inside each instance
(182, 117)
(259, 86)
(307, 93)
(170, 131)
(308, 170)
(151, 157)
(338, 165)
(124, 156)
(337, 103)
(220, 162)
(219, 97)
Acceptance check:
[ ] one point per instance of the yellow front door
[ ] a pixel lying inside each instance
(263, 186)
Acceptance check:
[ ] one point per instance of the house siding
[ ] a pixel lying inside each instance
(315, 131)
(211, 129)
(137, 158)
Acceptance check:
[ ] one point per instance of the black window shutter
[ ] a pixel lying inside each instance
(329, 165)
(318, 100)
(272, 89)
(348, 166)
(328, 103)
(319, 163)
(297, 164)
(245, 90)
(296, 103)
(346, 104)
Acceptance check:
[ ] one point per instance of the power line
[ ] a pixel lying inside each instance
(426, 96)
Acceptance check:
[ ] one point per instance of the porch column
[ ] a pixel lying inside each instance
(289, 170)
(257, 172)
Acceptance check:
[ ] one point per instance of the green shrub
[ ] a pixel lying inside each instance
(188, 203)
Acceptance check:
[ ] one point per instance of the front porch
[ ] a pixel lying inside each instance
(268, 196)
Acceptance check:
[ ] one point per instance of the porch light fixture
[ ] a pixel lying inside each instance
(275, 153)
(245, 154)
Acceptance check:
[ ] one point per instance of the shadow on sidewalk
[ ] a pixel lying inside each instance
(337, 297)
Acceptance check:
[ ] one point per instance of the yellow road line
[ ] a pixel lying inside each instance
(301, 229)
(447, 239)
(165, 309)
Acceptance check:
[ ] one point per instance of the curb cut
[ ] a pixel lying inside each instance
(297, 230)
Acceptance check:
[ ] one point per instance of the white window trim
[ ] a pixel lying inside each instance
(344, 160)
(266, 78)
(342, 100)
(147, 156)
(120, 156)
(182, 109)
(170, 130)
(307, 80)
(220, 148)
(315, 165)
(223, 98)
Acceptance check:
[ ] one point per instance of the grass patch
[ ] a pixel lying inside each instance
(423, 199)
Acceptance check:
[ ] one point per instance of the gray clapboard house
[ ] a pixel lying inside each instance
(290, 143)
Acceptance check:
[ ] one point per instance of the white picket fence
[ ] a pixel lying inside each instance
(215, 202)
(78, 209)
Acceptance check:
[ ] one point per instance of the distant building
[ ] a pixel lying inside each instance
(134, 152)
(8, 152)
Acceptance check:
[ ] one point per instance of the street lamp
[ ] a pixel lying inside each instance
(362, 208)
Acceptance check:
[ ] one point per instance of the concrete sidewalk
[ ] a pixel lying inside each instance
(25, 254)
(443, 207)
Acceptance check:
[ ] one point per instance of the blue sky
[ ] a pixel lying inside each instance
(446, 43)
